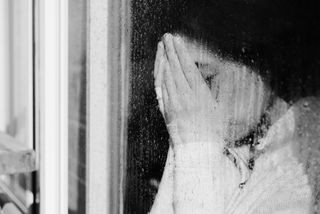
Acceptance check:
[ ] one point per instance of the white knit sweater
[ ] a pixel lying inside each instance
(198, 178)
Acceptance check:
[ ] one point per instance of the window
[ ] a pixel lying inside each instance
(266, 43)
(77, 106)
(34, 106)
(80, 122)
(18, 156)
(126, 136)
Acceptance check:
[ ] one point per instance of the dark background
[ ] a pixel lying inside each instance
(147, 135)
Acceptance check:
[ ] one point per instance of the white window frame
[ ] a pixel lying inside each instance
(108, 61)
(108, 52)
(51, 41)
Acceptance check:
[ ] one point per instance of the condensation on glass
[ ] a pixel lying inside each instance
(147, 144)
(147, 135)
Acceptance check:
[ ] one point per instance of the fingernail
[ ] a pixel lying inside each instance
(167, 36)
(160, 45)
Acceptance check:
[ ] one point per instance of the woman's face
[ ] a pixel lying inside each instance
(241, 94)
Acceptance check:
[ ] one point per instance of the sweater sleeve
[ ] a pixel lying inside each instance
(163, 201)
(198, 175)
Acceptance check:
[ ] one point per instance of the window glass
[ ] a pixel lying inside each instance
(77, 106)
(147, 134)
(259, 60)
(16, 89)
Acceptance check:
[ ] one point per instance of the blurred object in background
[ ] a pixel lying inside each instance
(16, 89)
(77, 106)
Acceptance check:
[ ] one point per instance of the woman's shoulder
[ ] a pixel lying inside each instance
(291, 152)
(284, 174)
(299, 130)
(278, 182)
(307, 119)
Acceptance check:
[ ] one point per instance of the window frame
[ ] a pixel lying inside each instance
(51, 103)
(108, 61)
(108, 51)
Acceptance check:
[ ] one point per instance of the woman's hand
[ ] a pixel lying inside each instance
(185, 100)
(194, 126)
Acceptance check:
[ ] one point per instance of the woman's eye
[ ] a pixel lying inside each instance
(201, 65)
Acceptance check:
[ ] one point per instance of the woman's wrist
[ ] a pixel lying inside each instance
(197, 176)
(188, 135)
(196, 155)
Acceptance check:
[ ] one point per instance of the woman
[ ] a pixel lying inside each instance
(204, 173)
(230, 85)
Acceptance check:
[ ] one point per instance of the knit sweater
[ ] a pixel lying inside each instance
(278, 183)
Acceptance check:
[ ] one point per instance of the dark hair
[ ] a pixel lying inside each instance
(277, 38)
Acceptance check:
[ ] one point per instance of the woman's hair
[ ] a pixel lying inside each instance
(280, 39)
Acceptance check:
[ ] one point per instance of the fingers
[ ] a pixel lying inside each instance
(165, 84)
(170, 83)
(159, 78)
(176, 70)
(160, 95)
(158, 75)
(165, 101)
(159, 58)
(189, 68)
(165, 96)
(158, 67)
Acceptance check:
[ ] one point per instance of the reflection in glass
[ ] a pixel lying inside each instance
(77, 106)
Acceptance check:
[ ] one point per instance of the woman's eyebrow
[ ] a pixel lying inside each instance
(202, 63)
(205, 58)
(212, 64)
